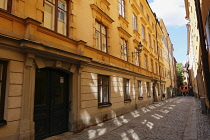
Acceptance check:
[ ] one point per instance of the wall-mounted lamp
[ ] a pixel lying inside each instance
(139, 48)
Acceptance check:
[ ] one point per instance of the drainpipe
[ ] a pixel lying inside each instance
(204, 55)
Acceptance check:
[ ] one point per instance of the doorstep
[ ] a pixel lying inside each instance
(61, 136)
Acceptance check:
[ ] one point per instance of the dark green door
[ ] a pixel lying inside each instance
(51, 103)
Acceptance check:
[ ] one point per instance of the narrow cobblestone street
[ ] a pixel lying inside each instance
(171, 119)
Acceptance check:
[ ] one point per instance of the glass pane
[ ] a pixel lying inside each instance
(100, 94)
(123, 12)
(97, 39)
(62, 22)
(49, 15)
(3, 4)
(104, 43)
(106, 94)
(103, 28)
(40, 87)
(61, 16)
(98, 26)
(59, 88)
(62, 4)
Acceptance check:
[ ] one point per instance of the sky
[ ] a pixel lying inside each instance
(173, 14)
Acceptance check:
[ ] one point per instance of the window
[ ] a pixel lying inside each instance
(143, 32)
(156, 65)
(122, 8)
(149, 40)
(152, 68)
(3, 73)
(6, 5)
(145, 62)
(126, 90)
(141, 7)
(140, 90)
(55, 15)
(101, 37)
(148, 17)
(148, 89)
(137, 57)
(103, 91)
(124, 49)
(134, 22)
(155, 47)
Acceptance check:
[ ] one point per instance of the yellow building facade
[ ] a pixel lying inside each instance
(168, 62)
(69, 64)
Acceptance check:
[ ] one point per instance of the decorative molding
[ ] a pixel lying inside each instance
(123, 20)
(106, 2)
(124, 32)
(81, 45)
(29, 60)
(143, 20)
(136, 41)
(136, 33)
(73, 68)
(149, 29)
(100, 15)
(56, 35)
(135, 9)
(39, 62)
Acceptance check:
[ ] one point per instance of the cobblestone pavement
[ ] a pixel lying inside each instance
(166, 120)
(203, 124)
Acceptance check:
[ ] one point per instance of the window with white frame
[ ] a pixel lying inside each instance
(152, 67)
(124, 54)
(103, 90)
(145, 62)
(121, 4)
(55, 15)
(134, 22)
(149, 40)
(148, 18)
(155, 47)
(126, 90)
(148, 89)
(156, 65)
(140, 93)
(143, 32)
(101, 37)
(137, 58)
(141, 7)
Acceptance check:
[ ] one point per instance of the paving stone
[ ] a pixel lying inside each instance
(172, 119)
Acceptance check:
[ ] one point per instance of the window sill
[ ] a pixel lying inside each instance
(140, 98)
(3, 122)
(127, 100)
(104, 105)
